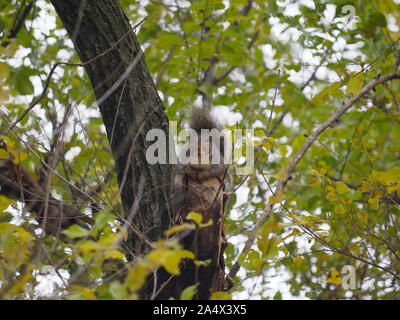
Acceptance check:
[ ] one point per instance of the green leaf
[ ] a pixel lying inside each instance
(75, 231)
(167, 40)
(21, 81)
(2, 25)
(252, 261)
(278, 296)
(117, 290)
(377, 19)
(100, 221)
(189, 292)
(322, 96)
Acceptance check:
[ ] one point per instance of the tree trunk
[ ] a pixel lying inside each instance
(129, 105)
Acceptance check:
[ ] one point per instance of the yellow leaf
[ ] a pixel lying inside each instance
(4, 203)
(330, 189)
(189, 292)
(393, 187)
(4, 95)
(317, 173)
(87, 246)
(88, 293)
(276, 198)
(334, 89)
(202, 263)
(332, 196)
(254, 260)
(262, 244)
(10, 50)
(9, 143)
(363, 216)
(314, 182)
(172, 264)
(364, 186)
(113, 254)
(4, 154)
(195, 216)
(3, 71)
(20, 157)
(388, 177)
(341, 187)
(334, 278)
(168, 258)
(208, 223)
(374, 198)
(157, 257)
(298, 261)
(109, 239)
(346, 200)
(268, 143)
(258, 132)
(355, 84)
(220, 295)
(271, 226)
(339, 209)
(185, 254)
(179, 228)
(137, 276)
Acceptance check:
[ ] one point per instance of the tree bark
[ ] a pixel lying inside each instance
(129, 105)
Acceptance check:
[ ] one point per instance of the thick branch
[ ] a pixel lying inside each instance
(17, 182)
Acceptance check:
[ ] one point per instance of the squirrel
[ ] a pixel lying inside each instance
(196, 168)
(198, 171)
(201, 187)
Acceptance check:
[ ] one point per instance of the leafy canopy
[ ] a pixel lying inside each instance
(341, 205)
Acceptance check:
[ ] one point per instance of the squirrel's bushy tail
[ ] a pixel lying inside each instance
(201, 118)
